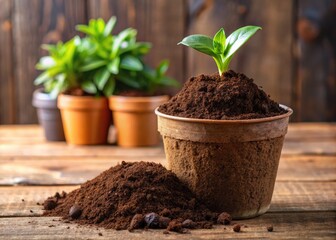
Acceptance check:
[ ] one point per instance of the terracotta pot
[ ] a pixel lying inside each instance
(86, 119)
(135, 120)
(48, 115)
(230, 164)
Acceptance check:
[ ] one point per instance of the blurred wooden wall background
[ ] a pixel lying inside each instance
(293, 57)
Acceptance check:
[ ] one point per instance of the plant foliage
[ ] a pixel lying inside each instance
(101, 63)
(220, 48)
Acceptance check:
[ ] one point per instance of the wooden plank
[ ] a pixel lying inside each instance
(316, 76)
(62, 149)
(296, 132)
(11, 203)
(304, 196)
(60, 170)
(307, 168)
(163, 34)
(311, 132)
(6, 64)
(308, 225)
(37, 22)
(287, 197)
(263, 58)
(309, 148)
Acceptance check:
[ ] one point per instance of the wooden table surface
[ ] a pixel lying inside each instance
(303, 204)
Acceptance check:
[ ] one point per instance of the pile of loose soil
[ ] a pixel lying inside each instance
(231, 96)
(134, 195)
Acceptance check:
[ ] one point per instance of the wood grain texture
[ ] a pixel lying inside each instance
(296, 132)
(62, 170)
(160, 22)
(316, 73)
(36, 22)
(309, 225)
(267, 57)
(303, 203)
(7, 99)
(287, 197)
(62, 149)
(311, 132)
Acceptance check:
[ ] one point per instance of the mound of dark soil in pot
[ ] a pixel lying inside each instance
(132, 195)
(231, 96)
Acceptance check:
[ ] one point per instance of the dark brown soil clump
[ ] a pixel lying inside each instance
(130, 196)
(231, 96)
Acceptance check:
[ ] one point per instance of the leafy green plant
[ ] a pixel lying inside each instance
(220, 48)
(110, 55)
(60, 68)
(101, 63)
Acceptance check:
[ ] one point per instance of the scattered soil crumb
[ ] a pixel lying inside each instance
(270, 228)
(236, 228)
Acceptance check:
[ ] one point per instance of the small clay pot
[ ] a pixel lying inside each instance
(229, 164)
(135, 120)
(86, 119)
(48, 115)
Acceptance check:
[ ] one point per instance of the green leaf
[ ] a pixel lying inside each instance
(131, 63)
(140, 48)
(55, 70)
(116, 46)
(238, 38)
(100, 25)
(167, 81)
(219, 41)
(109, 26)
(43, 77)
(89, 87)
(113, 66)
(94, 64)
(49, 47)
(129, 81)
(109, 87)
(101, 77)
(201, 43)
(162, 68)
(58, 85)
(85, 29)
(45, 63)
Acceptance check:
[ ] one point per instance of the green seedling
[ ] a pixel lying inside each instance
(220, 48)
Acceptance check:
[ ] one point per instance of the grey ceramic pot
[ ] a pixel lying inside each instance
(48, 115)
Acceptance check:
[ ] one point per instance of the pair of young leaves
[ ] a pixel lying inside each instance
(220, 48)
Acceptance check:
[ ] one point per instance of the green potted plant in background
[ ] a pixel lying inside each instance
(88, 70)
(222, 134)
(117, 62)
(85, 117)
(45, 99)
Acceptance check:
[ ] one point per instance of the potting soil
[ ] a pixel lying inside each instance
(132, 195)
(231, 96)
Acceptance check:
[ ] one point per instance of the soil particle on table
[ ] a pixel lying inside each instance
(270, 228)
(236, 228)
(228, 97)
(224, 218)
(118, 199)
